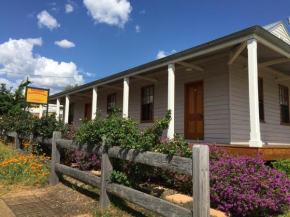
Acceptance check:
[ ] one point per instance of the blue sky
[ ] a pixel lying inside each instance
(105, 37)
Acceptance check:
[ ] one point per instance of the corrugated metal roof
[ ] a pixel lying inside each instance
(174, 57)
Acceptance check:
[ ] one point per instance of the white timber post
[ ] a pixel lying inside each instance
(255, 135)
(66, 109)
(40, 111)
(94, 102)
(57, 108)
(171, 98)
(126, 98)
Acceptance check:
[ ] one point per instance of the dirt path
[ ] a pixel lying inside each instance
(69, 198)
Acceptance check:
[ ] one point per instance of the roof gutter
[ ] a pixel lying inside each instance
(271, 41)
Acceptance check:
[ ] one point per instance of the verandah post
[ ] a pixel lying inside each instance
(55, 158)
(57, 109)
(255, 135)
(94, 102)
(126, 97)
(171, 98)
(106, 168)
(66, 109)
(200, 179)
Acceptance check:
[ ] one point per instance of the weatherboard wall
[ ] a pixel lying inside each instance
(216, 99)
(272, 132)
(281, 33)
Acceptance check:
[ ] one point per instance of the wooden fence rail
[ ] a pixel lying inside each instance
(197, 166)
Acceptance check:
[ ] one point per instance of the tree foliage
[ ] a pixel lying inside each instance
(11, 103)
(70, 87)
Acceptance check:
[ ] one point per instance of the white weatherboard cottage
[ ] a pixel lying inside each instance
(233, 90)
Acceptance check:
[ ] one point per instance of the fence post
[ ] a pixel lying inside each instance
(106, 168)
(4, 137)
(30, 143)
(55, 158)
(17, 141)
(200, 179)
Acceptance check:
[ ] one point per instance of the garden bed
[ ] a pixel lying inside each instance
(17, 168)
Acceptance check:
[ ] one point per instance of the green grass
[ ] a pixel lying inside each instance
(285, 215)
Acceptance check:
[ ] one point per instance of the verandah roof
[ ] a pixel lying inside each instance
(219, 45)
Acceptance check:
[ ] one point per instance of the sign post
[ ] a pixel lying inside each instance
(36, 96)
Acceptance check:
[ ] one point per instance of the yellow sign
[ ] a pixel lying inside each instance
(37, 95)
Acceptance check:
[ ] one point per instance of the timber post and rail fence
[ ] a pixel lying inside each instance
(197, 167)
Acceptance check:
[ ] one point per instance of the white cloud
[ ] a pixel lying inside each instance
(65, 43)
(162, 53)
(17, 57)
(45, 19)
(137, 28)
(112, 12)
(69, 8)
(143, 11)
(89, 74)
(10, 84)
(30, 15)
(55, 9)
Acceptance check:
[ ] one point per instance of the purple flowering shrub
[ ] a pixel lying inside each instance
(240, 186)
(67, 131)
(70, 134)
(85, 161)
(245, 186)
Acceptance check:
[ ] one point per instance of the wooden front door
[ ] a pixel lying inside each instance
(193, 119)
(88, 111)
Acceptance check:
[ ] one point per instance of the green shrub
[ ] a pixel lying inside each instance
(89, 132)
(176, 146)
(122, 132)
(283, 166)
(119, 177)
(42, 127)
(136, 173)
